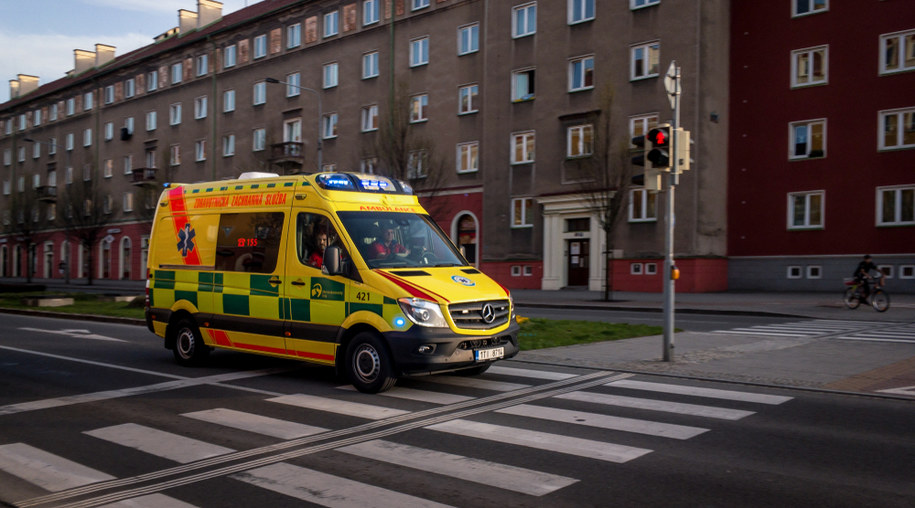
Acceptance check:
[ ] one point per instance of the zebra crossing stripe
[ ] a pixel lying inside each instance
(342, 407)
(605, 421)
(588, 448)
(425, 396)
(151, 501)
(529, 373)
(327, 490)
(472, 382)
(695, 391)
(46, 470)
(257, 424)
(517, 479)
(657, 405)
(159, 443)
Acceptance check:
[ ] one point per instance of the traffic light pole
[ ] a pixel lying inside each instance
(672, 84)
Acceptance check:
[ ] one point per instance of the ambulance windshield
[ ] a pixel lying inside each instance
(400, 240)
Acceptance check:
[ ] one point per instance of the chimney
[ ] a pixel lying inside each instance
(208, 11)
(14, 89)
(83, 60)
(187, 21)
(103, 54)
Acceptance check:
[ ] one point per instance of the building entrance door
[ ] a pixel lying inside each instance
(577, 265)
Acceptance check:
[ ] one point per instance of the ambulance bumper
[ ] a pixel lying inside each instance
(423, 350)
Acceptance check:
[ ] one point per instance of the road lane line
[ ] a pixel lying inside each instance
(472, 382)
(150, 501)
(608, 422)
(695, 391)
(258, 424)
(657, 405)
(159, 443)
(342, 407)
(46, 470)
(529, 373)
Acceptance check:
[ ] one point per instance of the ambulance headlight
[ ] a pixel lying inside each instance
(423, 312)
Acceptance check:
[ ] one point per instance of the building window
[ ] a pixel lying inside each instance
(638, 4)
(109, 98)
(809, 66)
(524, 20)
(68, 144)
(897, 129)
(635, 268)
(200, 150)
(260, 93)
(896, 206)
(109, 131)
(643, 206)
(814, 272)
(71, 106)
(370, 65)
(468, 159)
(522, 209)
(804, 7)
(581, 74)
(329, 126)
(174, 114)
(419, 52)
(228, 101)
(128, 164)
(808, 139)
(174, 155)
(417, 164)
(293, 36)
(293, 84)
(108, 168)
(88, 100)
(176, 73)
(128, 202)
(152, 81)
(368, 165)
(331, 23)
(897, 52)
(260, 46)
(370, 118)
(418, 105)
(52, 112)
(370, 12)
(522, 147)
(907, 271)
(130, 88)
(644, 61)
(580, 11)
(523, 85)
(202, 64)
(87, 137)
(330, 75)
(795, 272)
(259, 140)
(200, 107)
(228, 145)
(580, 141)
(228, 56)
(805, 210)
(469, 39)
(420, 4)
(467, 99)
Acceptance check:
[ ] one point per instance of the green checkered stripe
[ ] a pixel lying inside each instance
(250, 186)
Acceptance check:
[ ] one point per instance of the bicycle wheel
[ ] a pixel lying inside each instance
(880, 300)
(851, 298)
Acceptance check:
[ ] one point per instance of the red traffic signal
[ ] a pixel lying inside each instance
(659, 155)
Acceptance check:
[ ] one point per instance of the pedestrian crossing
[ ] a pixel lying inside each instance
(872, 331)
(596, 421)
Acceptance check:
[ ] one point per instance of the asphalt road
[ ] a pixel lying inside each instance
(96, 413)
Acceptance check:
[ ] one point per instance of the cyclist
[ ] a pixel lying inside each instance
(862, 274)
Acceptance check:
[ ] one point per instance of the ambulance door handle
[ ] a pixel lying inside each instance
(274, 281)
(299, 282)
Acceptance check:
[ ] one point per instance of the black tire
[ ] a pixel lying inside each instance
(475, 370)
(369, 365)
(189, 347)
(851, 299)
(880, 300)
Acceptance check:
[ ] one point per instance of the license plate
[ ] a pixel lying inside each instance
(488, 354)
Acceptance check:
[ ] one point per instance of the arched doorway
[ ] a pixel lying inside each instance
(124, 258)
(464, 232)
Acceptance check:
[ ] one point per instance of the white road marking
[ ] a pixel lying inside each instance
(517, 479)
(327, 490)
(80, 334)
(605, 421)
(542, 440)
(258, 424)
(657, 405)
(46, 470)
(529, 373)
(150, 501)
(342, 407)
(696, 391)
(159, 443)
(472, 382)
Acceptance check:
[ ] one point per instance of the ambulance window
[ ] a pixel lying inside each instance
(249, 242)
(314, 232)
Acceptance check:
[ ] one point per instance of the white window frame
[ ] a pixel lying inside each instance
(200, 107)
(526, 210)
(229, 56)
(330, 75)
(329, 126)
(370, 65)
(109, 131)
(468, 39)
(88, 100)
(177, 73)
(581, 70)
(794, 145)
(417, 164)
(331, 24)
(228, 145)
(259, 93)
(202, 64)
(468, 97)
(260, 47)
(523, 17)
(293, 84)
(807, 219)
(796, 5)
(810, 54)
(898, 117)
(795, 272)
(128, 205)
(419, 51)
(151, 120)
(581, 11)
(371, 12)
(71, 106)
(900, 193)
(526, 142)
(128, 164)
(130, 88)
(814, 271)
(370, 118)
(468, 157)
(228, 101)
(649, 55)
(419, 4)
(643, 205)
(419, 104)
(200, 150)
(152, 81)
(108, 98)
(640, 4)
(577, 144)
(907, 271)
(293, 36)
(87, 137)
(174, 155)
(52, 113)
(528, 91)
(174, 114)
(905, 51)
(259, 139)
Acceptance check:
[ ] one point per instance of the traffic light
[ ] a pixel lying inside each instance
(658, 147)
(651, 178)
(639, 159)
(683, 149)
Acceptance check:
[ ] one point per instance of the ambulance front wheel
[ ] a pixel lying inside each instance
(368, 364)
(189, 347)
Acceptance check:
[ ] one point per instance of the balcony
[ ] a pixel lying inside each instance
(143, 176)
(289, 156)
(46, 193)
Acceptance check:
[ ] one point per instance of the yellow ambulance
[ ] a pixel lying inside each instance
(341, 269)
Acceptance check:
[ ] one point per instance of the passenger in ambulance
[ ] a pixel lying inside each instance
(316, 259)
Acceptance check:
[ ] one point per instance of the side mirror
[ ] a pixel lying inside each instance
(332, 260)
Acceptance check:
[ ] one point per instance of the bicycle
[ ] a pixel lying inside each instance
(879, 299)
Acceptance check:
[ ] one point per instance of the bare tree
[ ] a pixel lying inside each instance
(21, 221)
(86, 210)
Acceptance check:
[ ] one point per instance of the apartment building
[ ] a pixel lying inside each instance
(822, 143)
(494, 109)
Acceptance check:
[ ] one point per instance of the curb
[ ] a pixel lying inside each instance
(688, 310)
(67, 315)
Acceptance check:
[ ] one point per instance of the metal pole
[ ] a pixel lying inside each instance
(669, 283)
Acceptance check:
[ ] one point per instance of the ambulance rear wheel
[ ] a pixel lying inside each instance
(368, 364)
(189, 347)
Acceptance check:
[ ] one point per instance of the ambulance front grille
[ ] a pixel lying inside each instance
(479, 315)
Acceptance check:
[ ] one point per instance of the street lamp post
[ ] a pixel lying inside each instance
(320, 116)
